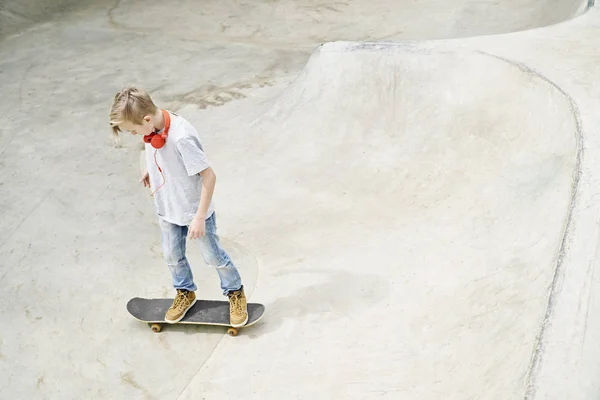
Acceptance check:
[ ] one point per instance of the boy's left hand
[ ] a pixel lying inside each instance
(197, 228)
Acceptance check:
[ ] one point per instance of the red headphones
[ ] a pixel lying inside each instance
(157, 140)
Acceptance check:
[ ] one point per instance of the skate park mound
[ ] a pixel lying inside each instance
(425, 193)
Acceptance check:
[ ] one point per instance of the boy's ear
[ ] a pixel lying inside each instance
(148, 118)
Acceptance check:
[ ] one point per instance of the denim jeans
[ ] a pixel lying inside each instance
(174, 246)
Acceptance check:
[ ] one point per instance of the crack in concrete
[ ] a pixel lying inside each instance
(4, 240)
(559, 272)
(19, 102)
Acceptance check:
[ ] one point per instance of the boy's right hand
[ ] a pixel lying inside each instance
(145, 178)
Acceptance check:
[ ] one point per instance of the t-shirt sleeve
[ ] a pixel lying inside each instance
(193, 155)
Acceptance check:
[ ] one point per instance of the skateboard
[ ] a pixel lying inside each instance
(204, 312)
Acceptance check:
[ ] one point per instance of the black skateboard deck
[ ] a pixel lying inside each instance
(204, 312)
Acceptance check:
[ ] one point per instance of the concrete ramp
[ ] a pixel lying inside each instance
(410, 210)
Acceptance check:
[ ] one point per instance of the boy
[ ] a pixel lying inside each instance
(183, 182)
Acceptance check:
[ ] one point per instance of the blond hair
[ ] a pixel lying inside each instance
(131, 105)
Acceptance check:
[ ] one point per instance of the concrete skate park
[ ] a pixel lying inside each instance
(411, 189)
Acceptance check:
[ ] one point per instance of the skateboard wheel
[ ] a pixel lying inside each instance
(232, 332)
(156, 327)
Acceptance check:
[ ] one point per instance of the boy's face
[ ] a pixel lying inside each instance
(146, 128)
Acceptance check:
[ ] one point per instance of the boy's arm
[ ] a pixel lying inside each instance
(198, 226)
(194, 159)
(208, 187)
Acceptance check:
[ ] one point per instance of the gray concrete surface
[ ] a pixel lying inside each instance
(288, 21)
(19, 15)
(419, 217)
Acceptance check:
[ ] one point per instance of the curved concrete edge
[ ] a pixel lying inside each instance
(565, 363)
(560, 273)
(556, 297)
(565, 360)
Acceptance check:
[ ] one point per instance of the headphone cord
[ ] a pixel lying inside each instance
(161, 172)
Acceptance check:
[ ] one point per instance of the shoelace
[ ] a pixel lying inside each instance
(236, 303)
(181, 301)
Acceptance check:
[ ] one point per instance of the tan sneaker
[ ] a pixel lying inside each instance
(238, 310)
(182, 303)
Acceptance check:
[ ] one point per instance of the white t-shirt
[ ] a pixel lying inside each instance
(181, 159)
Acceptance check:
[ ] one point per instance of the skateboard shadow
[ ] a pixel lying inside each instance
(340, 295)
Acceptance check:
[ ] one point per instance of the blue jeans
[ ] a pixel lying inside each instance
(173, 245)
